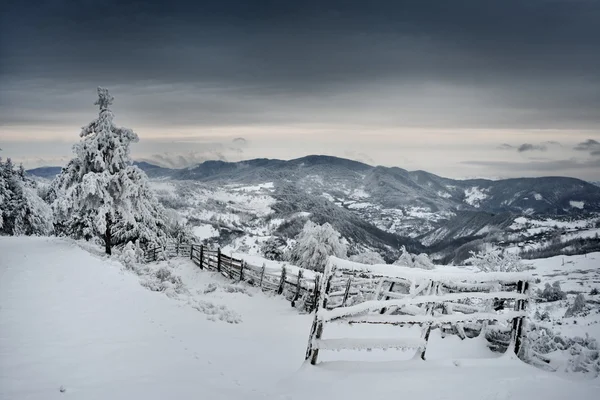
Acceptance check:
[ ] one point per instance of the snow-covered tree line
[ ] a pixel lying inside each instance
(22, 211)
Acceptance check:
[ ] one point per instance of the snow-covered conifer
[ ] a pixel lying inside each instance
(272, 248)
(422, 261)
(315, 244)
(100, 193)
(22, 211)
(405, 259)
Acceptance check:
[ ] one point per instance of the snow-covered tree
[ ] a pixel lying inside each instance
(128, 256)
(272, 248)
(368, 257)
(579, 305)
(315, 244)
(100, 193)
(405, 259)
(22, 211)
(495, 260)
(422, 261)
(552, 292)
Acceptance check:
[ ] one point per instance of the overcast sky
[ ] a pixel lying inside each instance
(459, 88)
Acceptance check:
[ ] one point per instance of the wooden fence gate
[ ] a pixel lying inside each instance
(359, 294)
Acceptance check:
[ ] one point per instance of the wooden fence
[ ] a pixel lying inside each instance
(360, 294)
(299, 286)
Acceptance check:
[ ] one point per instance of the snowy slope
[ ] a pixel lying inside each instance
(72, 319)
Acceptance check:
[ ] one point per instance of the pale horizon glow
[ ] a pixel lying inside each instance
(463, 89)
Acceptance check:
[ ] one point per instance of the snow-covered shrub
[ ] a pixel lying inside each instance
(216, 312)
(22, 210)
(578, 306)
(552, 292)
(100, 193)
(407, 259)
(368, 257)
(272, 248)
(163, 280)
(315, 244)
(422, 261)
(128, 256)
(495, 260)
(545, 348)
(594, 292)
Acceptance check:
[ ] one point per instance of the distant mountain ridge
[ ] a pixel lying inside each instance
(392, 187)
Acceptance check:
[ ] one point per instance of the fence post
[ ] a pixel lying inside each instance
(191, 251)
(383, 310)
(242, 271)
(517, 330)
(177, 249)
(282, 281)
(433, 288)
(155, 258)
(298, 288)
(219, 259)
(262, 275)
(201, 256)
(316, 292)
(316, 330)
(347, 292)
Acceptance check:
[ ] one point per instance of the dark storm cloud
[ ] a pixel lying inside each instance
(531, 147)
(542, 56)
(525, 147)
(590, 145)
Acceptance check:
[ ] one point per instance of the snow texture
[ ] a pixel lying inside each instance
(79, 326)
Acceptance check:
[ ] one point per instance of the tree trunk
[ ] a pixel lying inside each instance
(108, 235)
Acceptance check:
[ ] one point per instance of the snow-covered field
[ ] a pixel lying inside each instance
(74, 320)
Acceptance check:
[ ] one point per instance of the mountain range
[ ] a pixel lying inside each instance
(386, 207)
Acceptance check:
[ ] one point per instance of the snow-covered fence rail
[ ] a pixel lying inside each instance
(296, 284)
(392, 295)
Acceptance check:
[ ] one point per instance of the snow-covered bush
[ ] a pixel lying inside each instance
(272, 248)
(543, 347)
(594, 292)
(422, 261)
(128, 256)
(100, 193)
(552, 292)
(578, 306)
(22, 211)
(496, 261)
(407, 259)
(163, 280)
(368, 257)
(315, 244)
